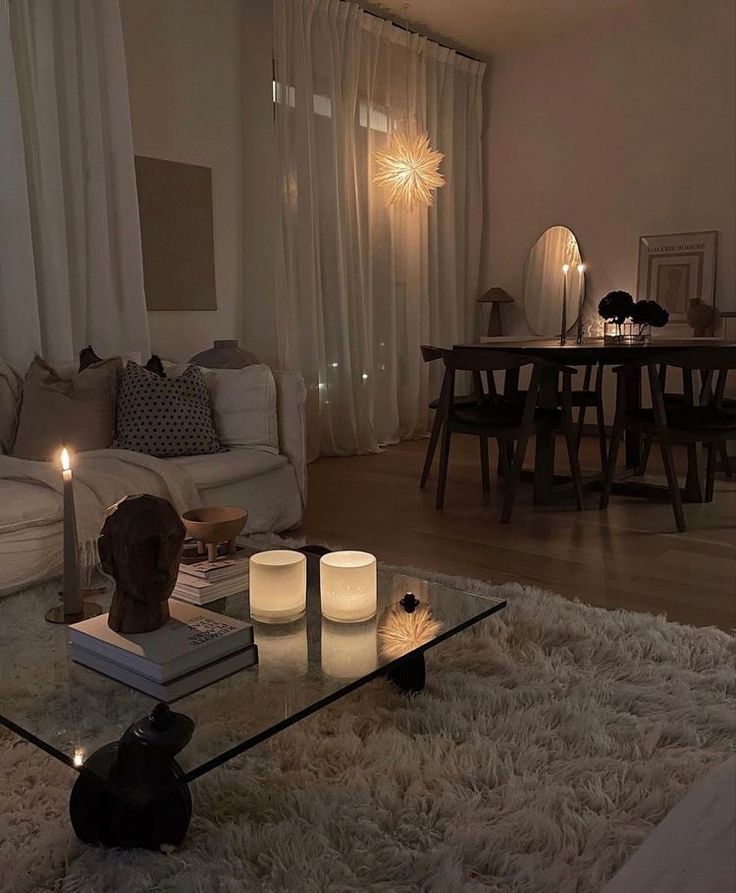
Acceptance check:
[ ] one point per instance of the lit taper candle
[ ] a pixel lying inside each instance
(581, 301)
(563, 324)
(71, 589)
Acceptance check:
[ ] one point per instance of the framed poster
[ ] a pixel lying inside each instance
(674, 269)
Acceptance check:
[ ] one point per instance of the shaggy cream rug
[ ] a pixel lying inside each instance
(550, 739)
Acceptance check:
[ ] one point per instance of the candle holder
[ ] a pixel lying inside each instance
(89, 609)
(581, 302)
(73, 607)
(348, 586)
(563, 321)
(278, 586)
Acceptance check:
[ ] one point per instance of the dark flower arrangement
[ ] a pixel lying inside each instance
(618, 306)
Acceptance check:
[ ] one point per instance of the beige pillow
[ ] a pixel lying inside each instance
(76, 409)
(10, 388)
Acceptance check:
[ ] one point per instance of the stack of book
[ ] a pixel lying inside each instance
(201, 581)
(194, 648)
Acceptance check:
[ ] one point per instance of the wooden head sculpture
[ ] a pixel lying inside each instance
(140, 547)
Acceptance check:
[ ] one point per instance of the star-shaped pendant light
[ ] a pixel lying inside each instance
(409, 168)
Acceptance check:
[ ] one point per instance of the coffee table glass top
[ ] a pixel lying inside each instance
(70, 710)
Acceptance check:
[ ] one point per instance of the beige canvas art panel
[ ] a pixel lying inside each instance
(175, 206)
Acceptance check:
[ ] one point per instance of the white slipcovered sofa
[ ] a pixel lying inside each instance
(259, 416)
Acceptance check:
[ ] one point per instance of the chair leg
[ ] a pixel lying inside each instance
(692, 482)
(646, 449)
(616, 438)
(579, 426)
(485, 472)
(504, 465)
(710, 469)
(672, 484)
(512, 480)
(725, 458)
(431, 448)
(602, 439)
(572, 456)
(444, 459)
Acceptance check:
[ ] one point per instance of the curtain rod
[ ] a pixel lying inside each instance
(386, 18)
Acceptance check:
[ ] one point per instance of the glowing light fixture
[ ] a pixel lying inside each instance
(348, 586)
(409, 167)
(278, 586)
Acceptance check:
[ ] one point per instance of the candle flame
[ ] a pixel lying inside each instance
(581, 268)
(565, 268)
(78, 756)
(65, 463)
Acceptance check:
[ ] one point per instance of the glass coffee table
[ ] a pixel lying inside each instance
(136, 757)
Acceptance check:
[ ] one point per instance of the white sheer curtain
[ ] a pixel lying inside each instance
(361, 286)
(71, 271)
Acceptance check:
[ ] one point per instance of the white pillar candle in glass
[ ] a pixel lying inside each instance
(349, 652)
(278, 586)
(348, 586)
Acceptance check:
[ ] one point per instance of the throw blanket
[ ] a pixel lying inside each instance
(101, 478)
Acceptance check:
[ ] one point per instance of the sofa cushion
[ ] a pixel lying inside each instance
(26, 504)
(165, 418)
(76, 409)
(10, 391)
(244, 404)
(226, 468)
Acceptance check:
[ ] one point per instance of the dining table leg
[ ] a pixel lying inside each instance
(544, 450)
(632, 396)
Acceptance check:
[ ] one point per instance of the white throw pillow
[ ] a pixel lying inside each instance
(243, 402)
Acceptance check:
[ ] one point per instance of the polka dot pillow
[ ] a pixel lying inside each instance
(165, 417)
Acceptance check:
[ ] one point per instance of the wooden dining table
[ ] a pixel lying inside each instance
(550, 488)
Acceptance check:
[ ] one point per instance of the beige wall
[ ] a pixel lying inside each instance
(616, 132)
(188, 62)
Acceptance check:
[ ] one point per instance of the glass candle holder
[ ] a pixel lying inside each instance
(278, 586)
(348, 586)
(349, 652)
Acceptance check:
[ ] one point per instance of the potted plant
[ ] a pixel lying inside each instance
(618, 306)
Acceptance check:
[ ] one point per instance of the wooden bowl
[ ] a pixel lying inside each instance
(215, 524)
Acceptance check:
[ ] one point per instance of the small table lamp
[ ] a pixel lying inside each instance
(494, 297)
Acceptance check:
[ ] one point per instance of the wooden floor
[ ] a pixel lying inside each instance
(628, 557)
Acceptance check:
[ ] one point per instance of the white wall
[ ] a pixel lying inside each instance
(615, 132)
(188, 62)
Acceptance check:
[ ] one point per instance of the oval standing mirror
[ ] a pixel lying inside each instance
(543, 281)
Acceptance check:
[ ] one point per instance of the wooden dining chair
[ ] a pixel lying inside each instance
(673, 399)
(688, 423)
(429, 355)
(590, 396)
(511, 422)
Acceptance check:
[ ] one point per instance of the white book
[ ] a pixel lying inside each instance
(202, 593)
(199, 600)
(190, 639)
(175, 688)
(220, 569)
(197, 585)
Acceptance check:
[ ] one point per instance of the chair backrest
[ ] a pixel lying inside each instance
(431, 353)
(702, 359)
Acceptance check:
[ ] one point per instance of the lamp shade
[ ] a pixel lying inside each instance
(348, 586)
(278, 586)
(495, 296)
